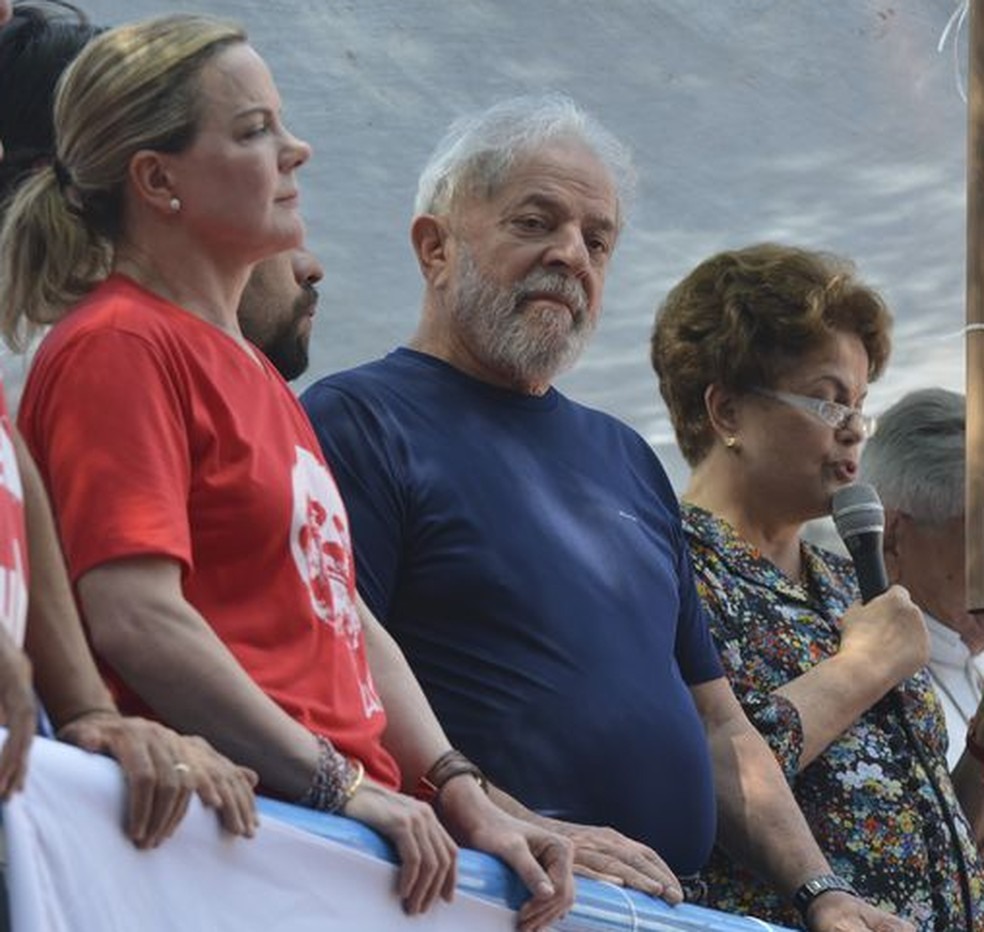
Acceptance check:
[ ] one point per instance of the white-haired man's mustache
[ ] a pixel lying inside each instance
(563, 286)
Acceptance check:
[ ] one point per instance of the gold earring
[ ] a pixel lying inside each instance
(731, 443)
(175, 205)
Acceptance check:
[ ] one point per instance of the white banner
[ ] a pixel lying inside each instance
(71, 869)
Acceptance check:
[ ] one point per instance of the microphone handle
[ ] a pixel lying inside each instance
(869, 563)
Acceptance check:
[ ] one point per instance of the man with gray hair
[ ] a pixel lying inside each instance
(915, 460)
(526, 551)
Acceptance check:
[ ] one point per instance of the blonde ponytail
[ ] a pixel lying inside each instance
(49, 258)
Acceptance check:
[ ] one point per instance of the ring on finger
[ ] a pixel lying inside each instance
(182, 767)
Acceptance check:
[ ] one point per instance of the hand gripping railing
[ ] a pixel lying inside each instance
(600, 907)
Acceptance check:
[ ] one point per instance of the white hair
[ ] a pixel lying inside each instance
(478, 152)
(915, 459)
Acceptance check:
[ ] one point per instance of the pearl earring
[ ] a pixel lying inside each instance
(175, 205)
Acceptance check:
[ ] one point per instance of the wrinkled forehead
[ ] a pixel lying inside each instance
(564, 169)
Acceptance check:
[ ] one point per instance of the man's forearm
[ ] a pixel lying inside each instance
(413, 734)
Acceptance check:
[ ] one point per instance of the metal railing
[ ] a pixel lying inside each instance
(599, 906)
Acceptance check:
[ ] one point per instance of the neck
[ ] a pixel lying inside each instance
(196, 286)
(716, 486)
(441, 341)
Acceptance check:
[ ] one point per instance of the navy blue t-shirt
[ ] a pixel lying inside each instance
(527, 554)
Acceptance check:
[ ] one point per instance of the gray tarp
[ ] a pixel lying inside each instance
(831, 124)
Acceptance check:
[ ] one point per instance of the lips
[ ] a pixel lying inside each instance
(845, 470)
(550, 297)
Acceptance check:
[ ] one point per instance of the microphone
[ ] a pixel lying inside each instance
(860, 521)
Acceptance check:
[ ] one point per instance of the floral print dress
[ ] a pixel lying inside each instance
(879, 799)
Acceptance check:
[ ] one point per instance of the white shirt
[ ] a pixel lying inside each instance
(958, 677)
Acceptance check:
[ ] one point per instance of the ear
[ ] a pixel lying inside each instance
(893, 541)
(151, 181)
(722, 410)
(430, 237)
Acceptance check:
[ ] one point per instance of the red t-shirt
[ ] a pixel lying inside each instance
(13, 535)
(157, 434)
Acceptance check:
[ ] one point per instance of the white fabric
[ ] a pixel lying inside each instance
(71, 869)
(958, 677)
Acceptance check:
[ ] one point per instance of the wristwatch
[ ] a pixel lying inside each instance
(825, 883)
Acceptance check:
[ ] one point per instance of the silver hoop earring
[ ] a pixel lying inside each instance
(175, 205)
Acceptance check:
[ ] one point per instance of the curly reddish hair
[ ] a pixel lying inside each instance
(743, 317)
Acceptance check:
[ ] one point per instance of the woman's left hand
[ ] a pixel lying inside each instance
(842, 912)
(542, 859)
(162, 770)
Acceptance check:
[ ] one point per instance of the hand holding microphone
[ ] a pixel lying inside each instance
(890, 631)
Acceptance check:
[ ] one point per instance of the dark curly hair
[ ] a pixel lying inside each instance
(743, 317)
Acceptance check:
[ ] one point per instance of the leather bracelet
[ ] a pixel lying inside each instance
(449, 765)
(818, 886)
(974, 749)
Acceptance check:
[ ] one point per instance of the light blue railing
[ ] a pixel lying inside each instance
(599, 906)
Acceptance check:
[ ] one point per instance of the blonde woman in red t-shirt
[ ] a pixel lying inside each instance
(203, 531)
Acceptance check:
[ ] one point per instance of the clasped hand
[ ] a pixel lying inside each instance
(427, 849)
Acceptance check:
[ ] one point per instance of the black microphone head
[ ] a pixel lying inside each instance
(857, 509)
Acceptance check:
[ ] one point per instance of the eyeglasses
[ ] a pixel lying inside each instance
(834, 415)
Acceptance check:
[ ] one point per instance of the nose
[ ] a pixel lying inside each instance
(569, 249)
(858, 425)
(295, 152)
(306, 267)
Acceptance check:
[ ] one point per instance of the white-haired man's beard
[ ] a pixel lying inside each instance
(527, 344)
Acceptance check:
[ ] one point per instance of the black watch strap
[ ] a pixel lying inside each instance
(817, 886)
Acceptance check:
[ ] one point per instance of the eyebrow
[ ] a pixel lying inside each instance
(546, 202)
(262, 109)
(838, 384)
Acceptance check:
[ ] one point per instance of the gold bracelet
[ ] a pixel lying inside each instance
(354, 784)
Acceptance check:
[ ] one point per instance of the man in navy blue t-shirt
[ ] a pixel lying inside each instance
(526, 552)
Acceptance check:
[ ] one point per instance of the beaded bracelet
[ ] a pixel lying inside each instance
(335, 779)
